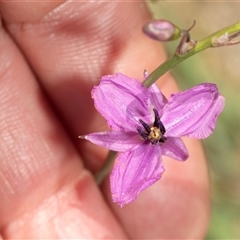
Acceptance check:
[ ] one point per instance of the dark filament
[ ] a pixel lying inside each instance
(157, 122)
(153, 133)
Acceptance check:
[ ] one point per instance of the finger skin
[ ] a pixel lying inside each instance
(79, 43)
(45, 191)
(27, 11)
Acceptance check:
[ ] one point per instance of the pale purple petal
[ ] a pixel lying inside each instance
(134, 171)
(121, 100)
(115, 140)
(174, 148)
(193, 113)
(157, 99)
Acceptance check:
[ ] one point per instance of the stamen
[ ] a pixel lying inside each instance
(157, 118)
(163, 139)
(152, 132)
(142, 133)
(157, 122)
(146, 127)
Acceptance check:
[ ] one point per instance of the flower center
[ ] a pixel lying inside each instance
(153, 132)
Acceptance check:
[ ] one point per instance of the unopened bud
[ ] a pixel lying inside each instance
(161, 30)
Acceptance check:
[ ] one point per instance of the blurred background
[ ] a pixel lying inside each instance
(220, 66)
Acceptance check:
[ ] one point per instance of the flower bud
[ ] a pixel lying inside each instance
(161, 30)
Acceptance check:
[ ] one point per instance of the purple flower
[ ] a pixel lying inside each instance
(145, 125)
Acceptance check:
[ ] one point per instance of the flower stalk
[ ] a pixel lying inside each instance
(214, 40)
(106, 167)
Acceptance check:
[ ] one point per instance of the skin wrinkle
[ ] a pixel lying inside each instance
(7, 129)
(62, 83)
(11, 135)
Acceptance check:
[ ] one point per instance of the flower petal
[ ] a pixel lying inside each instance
(157, 99)
(174, 148)
(121, 100)
(194, 112)
(134, 171)
(115, 140)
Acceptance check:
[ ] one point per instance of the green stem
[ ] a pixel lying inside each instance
(106, 168)
(176, 59)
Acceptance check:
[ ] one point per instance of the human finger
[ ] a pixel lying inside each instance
(87, 40)
(45, 190)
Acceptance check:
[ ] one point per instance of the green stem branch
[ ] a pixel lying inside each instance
(200, 46)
